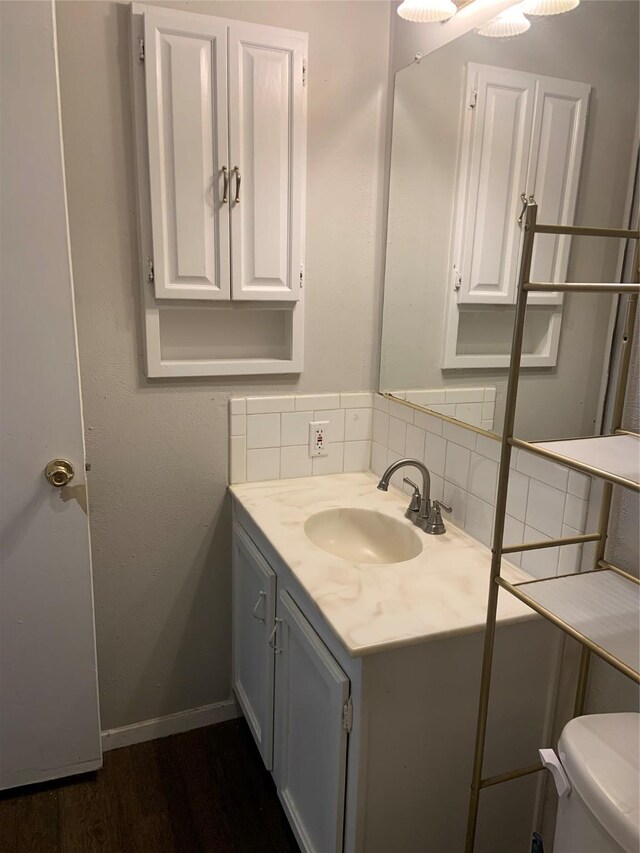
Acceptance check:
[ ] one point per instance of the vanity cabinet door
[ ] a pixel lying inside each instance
(267, 146)
(310, 750)
(254, 602)
(185, 66)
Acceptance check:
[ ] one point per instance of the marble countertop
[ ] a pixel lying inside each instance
(370, 607)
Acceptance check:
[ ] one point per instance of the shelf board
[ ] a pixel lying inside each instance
(612, 457)
(600, 609)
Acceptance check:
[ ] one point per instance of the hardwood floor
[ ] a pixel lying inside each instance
(204, 791)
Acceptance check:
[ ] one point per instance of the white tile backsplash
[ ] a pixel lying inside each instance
(369, 432)
(472, 405)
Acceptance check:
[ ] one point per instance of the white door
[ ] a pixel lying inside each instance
(267, 150)
(49, 722)
(185, 63)
(310, 753)
(494, 159)
(254, 610)
(557, 144)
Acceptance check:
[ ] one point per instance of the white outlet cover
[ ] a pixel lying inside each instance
(318, 438)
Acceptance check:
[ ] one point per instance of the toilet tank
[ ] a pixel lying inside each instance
(601, 813)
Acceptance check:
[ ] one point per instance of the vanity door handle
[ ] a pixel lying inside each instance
(238, 179)
(225, 185)
(261, 597)
(272, 637)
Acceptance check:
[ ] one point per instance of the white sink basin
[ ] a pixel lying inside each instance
(363, 536)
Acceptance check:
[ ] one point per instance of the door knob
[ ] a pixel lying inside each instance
(59, 472)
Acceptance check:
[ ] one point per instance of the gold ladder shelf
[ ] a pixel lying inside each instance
(599, 608)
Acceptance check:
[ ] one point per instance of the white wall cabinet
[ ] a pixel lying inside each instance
(220, 124)
(522, 136)
(366, 749)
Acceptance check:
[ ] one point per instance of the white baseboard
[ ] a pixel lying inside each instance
(184, 721)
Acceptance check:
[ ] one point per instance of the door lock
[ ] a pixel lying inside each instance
(59, 472)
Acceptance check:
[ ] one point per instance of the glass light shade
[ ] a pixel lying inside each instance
(511, 22)
(427, 11)
(548, 7)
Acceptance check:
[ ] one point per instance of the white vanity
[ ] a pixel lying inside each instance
(359, 679)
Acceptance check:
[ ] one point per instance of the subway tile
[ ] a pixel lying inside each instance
(397, 435)
(542, 469)
(448, 409)
(575, 513)
(263, 431)
(464, 395)
(542, 563)
(479, 520)
(545, 508)
(579, 484)
(237, 406)
(335, 428)
(483, 478)
(513, 535)
(295, 428)
(238, 425)
(356, 400)
(488, 447)
(414, 446)
(428, 422)
(517, 495)
(396, 479)
(456, 469)
(469, 413)
(378, 458)
(457, 500)
(403, 413)
(331, 464)
(380, 403)
(266, 405)
(488, 425)
(295, 462)
(437, 488)
(460, 435)
(435, 454)
(380, 427)
(570, 555)
(426, 398)
(313, 402)
(358, 424)
(263, 464)
(357, 455)
(238, 459)
(487, 411)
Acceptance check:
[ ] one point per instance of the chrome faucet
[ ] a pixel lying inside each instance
(424, 513)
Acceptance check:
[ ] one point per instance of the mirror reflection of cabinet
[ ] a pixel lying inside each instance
(522, 137)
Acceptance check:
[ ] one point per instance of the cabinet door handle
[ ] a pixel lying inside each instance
(261, 597)
(272, 637)
(225, 185)
(238, 179)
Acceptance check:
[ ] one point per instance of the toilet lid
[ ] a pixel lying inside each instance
(601, 755)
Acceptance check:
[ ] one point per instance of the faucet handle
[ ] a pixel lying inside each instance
(442, 505)
(414, 506)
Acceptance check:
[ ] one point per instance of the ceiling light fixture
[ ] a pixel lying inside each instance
(511, 22)
(548, 7)
(426, 11)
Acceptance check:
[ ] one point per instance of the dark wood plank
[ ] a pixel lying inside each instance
(204, 791)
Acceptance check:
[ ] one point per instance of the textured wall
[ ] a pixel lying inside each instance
(160, 521)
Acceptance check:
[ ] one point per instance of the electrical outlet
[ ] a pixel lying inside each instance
(317, 438)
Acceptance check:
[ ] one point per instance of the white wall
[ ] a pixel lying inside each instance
(160, 520)
(426, 120)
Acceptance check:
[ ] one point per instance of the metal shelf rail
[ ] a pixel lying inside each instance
(613, 597)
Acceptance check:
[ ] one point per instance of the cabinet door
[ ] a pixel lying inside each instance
(493, 170)
(186, 94)
(267, 149)
(311, 740)
(557, 145)
(254, 602)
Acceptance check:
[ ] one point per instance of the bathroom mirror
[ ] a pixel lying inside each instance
(479, 126)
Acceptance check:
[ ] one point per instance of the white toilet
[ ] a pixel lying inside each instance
(597, 774)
